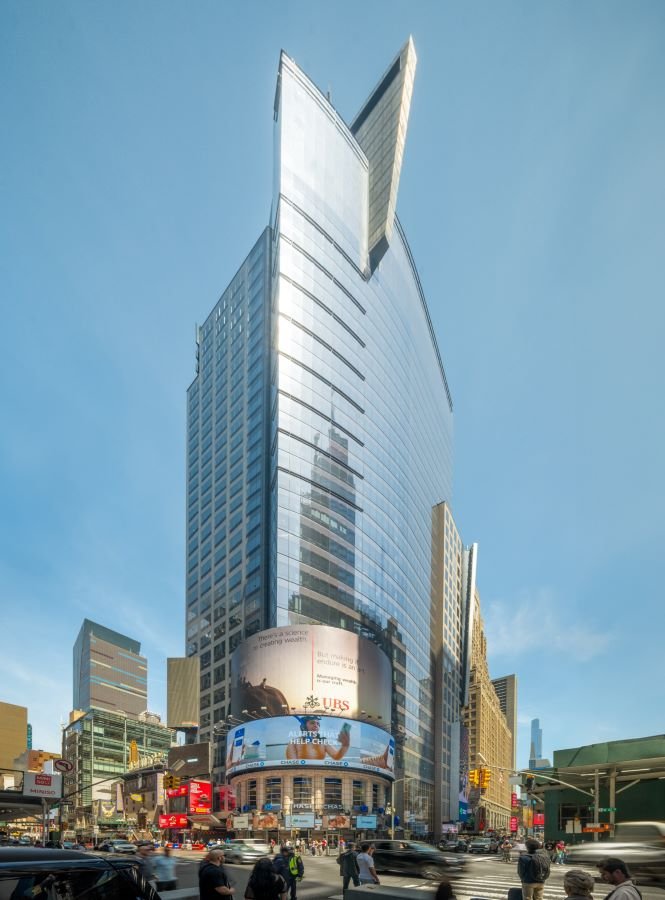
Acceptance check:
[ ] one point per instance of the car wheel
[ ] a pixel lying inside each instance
(430, 871)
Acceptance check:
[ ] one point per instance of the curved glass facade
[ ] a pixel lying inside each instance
(361, 417)
(320, 422)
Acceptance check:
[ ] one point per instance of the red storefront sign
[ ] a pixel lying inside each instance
(513, 801)
(513, 823)
(200, 797)
(227, 799)
(538, 818)
(174, 821)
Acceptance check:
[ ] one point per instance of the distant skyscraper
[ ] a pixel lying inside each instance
(319, 427)
(109, 671)
(506, 689)
(536, 748)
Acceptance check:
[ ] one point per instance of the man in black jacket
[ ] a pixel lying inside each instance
(533, 868)
(348, 867)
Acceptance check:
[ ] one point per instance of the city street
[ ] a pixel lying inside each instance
(487, 877)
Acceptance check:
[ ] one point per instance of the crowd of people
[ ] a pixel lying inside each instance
(278, 877)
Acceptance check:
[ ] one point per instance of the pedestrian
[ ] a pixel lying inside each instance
(213, 880)
(578, 885)
(272, 845)
(444, 891)
(348, 866)
(366, 871)
(533, 868)
(560, 853)
(614, 871)
(264, 883)
(290, 867)
(143, 856)
(506, 847)
(164, 865)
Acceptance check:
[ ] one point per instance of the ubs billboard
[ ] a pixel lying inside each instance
(310, 740)
(311, 668)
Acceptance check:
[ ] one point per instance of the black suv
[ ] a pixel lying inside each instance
(416, 858)
(69, 875)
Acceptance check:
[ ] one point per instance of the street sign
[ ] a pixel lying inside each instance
(63, 765)
(607, 809)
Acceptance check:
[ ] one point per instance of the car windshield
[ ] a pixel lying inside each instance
(420, 846)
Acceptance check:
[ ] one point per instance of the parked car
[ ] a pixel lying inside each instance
(641, 845)
(481, 845)
(242, 853)
(416, 858)
(458, 846)
(117, 846)
(54, 874)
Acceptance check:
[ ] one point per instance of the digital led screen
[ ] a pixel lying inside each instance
(310, 740)
(313, 668)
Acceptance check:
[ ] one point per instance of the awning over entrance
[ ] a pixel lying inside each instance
(205, 819)
(14, 805)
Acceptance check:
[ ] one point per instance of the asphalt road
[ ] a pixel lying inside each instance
(485, 877)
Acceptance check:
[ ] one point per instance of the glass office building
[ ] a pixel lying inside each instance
(320, 421)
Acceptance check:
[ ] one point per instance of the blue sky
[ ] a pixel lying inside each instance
(135, 175)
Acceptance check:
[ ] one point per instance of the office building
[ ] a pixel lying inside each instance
(13, 733)
(183, 694)
(536, 760)
(103, 746)
(109, 671)
(33, 760)
(490, 744)
(449, 604)
(320, 422)
(506, 691)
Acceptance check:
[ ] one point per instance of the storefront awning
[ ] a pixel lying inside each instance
(205, 819)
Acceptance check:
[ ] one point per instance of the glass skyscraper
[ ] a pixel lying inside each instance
(320, 420)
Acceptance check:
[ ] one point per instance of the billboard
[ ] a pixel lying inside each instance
(311, 667)
(302, 820)
(200, 797)
(38, 784)
(310, 740)
(175, 820)
(365, 821)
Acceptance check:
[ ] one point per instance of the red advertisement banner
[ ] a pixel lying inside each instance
(176, 820)
(513, 823)
(539, 818)
(513, 801)
(200, 797)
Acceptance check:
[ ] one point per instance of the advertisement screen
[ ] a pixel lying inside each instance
(200, 797)
(365, 821)
(174, 821)
(304, 820)
(310, 740)
(311, 667)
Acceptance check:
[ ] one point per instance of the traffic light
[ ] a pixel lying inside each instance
(168, 779)
(474, 777)
(485, 775)
(175, 781)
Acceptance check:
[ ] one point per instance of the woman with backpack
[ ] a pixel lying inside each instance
(264, 883)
